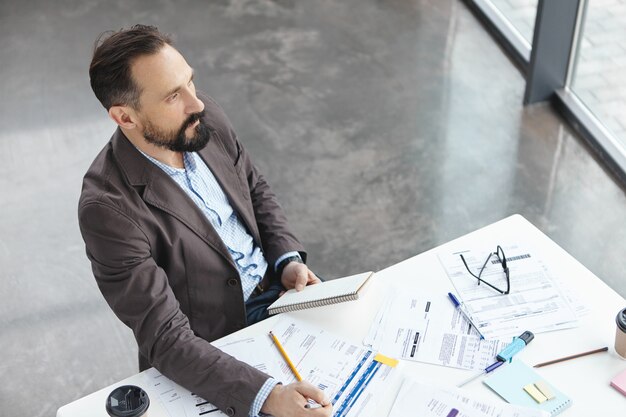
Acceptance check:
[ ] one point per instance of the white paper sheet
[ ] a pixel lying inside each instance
(427, 328)
(347, 372)
(535, 302)
(176, 400)
(425, 400)
(256, 351)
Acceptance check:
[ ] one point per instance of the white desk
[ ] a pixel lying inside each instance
(585, 380)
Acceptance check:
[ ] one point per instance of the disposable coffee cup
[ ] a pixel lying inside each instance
(127, 401)
(620, 333)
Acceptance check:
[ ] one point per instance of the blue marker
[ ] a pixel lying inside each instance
(457, 305)
(505, 356)
(518, 344)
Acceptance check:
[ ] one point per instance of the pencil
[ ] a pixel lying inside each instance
(591, 352)
(285, 356)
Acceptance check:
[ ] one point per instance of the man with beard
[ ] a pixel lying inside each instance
(186, 240)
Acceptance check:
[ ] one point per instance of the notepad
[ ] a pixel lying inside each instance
(325, 293)
(619, 382)
(519, 384)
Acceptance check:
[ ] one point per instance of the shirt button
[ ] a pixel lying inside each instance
(230, 411)
(233, 282)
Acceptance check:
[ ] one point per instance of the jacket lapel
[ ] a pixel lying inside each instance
(224, 171)
(160, 191)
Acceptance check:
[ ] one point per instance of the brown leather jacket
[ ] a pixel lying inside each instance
(165, 271)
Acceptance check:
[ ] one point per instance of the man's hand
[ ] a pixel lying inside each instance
(297, 275)
(290, 401)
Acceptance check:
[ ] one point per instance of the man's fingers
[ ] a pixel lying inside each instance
(297, 275)
(301, 278)
(313, 279)
(291, 401)
(312, 392)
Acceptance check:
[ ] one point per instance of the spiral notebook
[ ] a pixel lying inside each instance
(325, 293)
(518, 384)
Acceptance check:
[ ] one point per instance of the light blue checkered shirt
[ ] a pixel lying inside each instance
(197, 180)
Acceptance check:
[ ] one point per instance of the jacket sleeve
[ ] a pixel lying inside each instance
(138, 291)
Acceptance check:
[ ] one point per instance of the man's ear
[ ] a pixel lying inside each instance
(124, 116)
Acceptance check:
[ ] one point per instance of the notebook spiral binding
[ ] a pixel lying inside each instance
(316, 303)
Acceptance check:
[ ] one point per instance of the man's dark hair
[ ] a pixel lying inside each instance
(110, 69)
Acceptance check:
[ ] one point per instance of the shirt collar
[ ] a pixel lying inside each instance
(188, 160)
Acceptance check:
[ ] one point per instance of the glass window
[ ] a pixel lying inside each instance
(599, 72)
(520, 13)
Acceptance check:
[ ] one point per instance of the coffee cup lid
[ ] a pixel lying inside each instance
(127, 401)
(621, 320)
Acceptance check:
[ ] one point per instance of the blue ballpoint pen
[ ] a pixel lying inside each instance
(488, 369)
(457, 305)
(506, 355)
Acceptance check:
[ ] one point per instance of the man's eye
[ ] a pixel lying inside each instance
(172, 97)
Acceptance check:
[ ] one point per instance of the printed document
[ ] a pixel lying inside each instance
(535, 301)
(426, 327)
(176, 400)
(424, 400)
(180, 402)
(348, 373)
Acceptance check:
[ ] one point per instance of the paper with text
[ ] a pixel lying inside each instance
(180, 402)
(427, 328)
(176, 400)
(347, 372)
(535, 302)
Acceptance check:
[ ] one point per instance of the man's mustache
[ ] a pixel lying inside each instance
(194, 117)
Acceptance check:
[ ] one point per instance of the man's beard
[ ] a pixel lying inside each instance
(178, 141)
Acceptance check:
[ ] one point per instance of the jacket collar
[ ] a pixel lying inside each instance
(157, 189)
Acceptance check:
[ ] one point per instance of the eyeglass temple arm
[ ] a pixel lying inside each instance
(483, 281)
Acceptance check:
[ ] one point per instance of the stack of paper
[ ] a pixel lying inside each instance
(176, 400)
(428, 328)
(352, 377)
(535, 302)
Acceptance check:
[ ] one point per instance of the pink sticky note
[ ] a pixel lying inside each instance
(619, 382)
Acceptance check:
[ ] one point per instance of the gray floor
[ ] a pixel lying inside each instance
(385, 127)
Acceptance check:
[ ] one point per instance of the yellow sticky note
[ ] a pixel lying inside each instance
(386, 360)
(532, 390)
(545, 389)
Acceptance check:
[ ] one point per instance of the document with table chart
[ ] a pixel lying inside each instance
(425, 327)
(176, 400)
(352, 377)
(535, 302)
(180, 402)
(349, 374)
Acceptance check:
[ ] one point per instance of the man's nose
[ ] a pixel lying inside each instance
(195, 105)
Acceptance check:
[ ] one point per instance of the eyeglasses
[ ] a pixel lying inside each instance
(502, 260)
